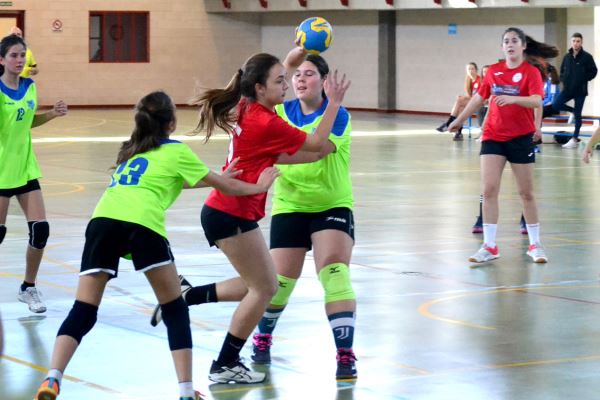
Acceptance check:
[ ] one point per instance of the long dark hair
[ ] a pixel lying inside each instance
(153, 115)
(321, 65)
(216, 105)
(536, 53)
(6, 43)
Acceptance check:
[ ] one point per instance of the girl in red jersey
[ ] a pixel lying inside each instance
(515, 89)
(258, 137)
(472, 83)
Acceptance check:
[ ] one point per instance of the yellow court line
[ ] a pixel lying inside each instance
(424, 308)
(67, 377)
(78, 188)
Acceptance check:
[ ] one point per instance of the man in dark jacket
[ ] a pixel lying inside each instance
(577, 69)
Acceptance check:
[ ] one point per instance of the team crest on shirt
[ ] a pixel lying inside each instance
(31, 104)
(517, 77)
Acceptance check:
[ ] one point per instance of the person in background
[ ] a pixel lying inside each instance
(30, 68)
(472, 82)
(576, 70)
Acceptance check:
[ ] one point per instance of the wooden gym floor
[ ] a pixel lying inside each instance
(429, 326)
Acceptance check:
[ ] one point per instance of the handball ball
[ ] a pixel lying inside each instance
(314, 34)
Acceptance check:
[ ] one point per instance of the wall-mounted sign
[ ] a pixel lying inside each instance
(6, 3)
(57, 25)
(452, 30)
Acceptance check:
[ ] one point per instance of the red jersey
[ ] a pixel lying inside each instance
(510, 121)
(258, 139)
(475, 85)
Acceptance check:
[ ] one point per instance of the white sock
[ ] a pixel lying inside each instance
(489, 234)
(533, 230)
(56, 374)
(186, 389)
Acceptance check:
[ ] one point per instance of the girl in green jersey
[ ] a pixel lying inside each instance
(129, 221)
(20, 172)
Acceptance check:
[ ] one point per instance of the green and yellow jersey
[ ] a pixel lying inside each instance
(321, 185)
(145, 186)
(18, 164)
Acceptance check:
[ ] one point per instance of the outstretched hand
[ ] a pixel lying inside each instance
(267, 177)
(334, 89)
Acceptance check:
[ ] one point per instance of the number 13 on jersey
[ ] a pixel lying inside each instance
(135, 169)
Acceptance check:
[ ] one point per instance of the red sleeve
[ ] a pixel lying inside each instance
(284, 138)
(535, 85)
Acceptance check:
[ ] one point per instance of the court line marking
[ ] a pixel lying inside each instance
(66, 377)
(423, 309)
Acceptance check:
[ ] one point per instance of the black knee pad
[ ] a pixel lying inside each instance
(2, 232)
(38, 233)
(176, 317)
(80, 321)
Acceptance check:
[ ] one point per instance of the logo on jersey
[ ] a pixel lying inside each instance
(31, 104)
(498, 73)
(517, 77)
(508, 90)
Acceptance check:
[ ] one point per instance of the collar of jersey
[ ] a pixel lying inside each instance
(18, 94)
(297, 117)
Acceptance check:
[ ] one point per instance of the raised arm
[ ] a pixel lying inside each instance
(335, 90)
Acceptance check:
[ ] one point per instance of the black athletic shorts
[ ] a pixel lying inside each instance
(30, 186)
(295, 229)
(519, 150)
(219, 225)
(107, 240)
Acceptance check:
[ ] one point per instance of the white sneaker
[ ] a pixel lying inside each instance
(537, 253)
(157, 313)
(571, 144)
(235, 372)
(571, 118)
(485, 254)
(33, 298)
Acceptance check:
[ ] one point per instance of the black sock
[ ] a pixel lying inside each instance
(230, 351)
(26, 285)
(450, 119)
(201, 294)
(481, 206)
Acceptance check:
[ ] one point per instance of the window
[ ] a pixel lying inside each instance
(118, 36)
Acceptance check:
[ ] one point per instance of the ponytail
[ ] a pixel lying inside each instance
(216, 105)
(154, 114)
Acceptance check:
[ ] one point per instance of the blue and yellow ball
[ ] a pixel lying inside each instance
(315, 34)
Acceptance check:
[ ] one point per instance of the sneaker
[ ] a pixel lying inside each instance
(235, 372)
(537, 253)
(485, 254)
(157, 313)
(571, 144)
(478, 226)
(261, 347)
(48, 390)
(458, 137)
(523, 227)
(197, 396)
(346, 364)
(33, 298)
(442, 128)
